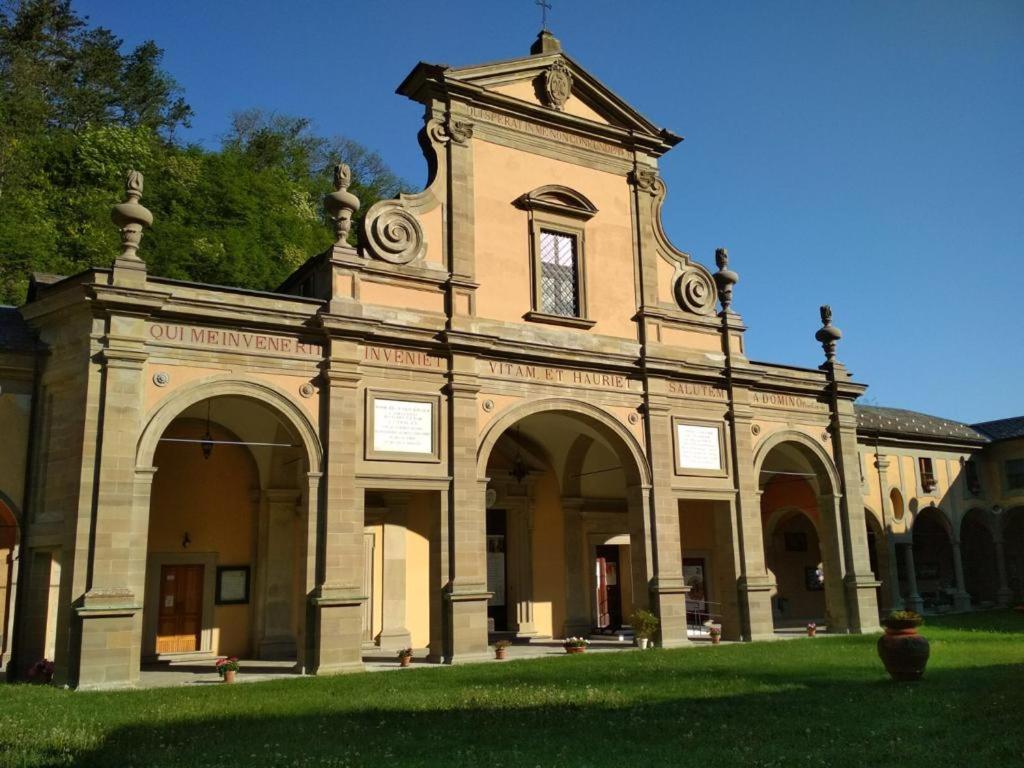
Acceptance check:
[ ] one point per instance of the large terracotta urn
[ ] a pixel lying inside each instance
(903, 651)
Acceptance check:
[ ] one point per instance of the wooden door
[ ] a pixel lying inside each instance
(181, 608)
(609, 590)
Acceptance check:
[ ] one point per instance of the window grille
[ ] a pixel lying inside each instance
(559, 275)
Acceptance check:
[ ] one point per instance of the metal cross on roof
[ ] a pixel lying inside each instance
(544, 8)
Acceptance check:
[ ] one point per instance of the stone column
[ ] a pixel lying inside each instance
(394, 633)
(520, 547)
(337, 601)
(109, 636)
(892, 578)
(914, 601)
(961, 599)
(467, 593)
(895, 598)
(665, 562)
(1005, 593)
(754, 583)
(276, 565)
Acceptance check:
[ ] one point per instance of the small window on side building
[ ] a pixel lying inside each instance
(1014, 469)
(927, 470)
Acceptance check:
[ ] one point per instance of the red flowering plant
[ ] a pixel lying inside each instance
(227, 664)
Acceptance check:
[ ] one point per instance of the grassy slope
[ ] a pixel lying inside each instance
(822, 702)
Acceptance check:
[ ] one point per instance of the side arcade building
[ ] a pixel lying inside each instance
(514, 408)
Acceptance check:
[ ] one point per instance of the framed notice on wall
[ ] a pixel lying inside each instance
(232, 584)
(699, 448)
(402, 427)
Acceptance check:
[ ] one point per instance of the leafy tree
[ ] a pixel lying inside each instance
(76, 112)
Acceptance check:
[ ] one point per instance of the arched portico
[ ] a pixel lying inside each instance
(795, 471)
(980, 562)
(573, 483)
(934, 565)
(1011, 542)
(232, 524)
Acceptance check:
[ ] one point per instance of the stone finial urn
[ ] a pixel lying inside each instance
(131, 216)
(341, 204)
(902, 650)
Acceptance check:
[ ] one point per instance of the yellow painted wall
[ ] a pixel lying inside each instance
(417, 569)
(548, 557)
(211, 499)
(502, 237)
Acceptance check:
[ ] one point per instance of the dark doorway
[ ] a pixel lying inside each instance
(609, 588)
(497, 606)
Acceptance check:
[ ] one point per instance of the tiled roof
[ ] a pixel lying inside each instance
(15, 335)
(873, 418)
(1002, 429)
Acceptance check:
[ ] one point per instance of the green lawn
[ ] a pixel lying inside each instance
(820, 702)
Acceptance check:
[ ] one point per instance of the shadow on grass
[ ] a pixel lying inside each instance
(952, 718)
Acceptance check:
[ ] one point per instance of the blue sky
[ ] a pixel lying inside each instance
(863, 154)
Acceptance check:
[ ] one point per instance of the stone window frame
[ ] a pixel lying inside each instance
(1010, 490)
(723, 448)
(371, 454)
(923, 475)
(968, 492)
(562, 211)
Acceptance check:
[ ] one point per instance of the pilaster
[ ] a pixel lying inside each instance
(336, 605)
(466, 593)
(109, 614)
(892, 570)
(665, 563)
(913, 601)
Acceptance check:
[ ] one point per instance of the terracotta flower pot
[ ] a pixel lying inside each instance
(716, 639)
(405, 661)
(229, 675)
(903, 652)
(811, 631)
(500, 653)
(574, 649)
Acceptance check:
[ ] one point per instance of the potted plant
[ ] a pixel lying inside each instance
(903, 651)
(812, 629)
(405, 657)
(645, 624)
(715, 633)
(575, 644)
(501, 649)
(227, 668)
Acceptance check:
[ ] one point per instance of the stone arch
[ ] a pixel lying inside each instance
(626, 446)
(978, 532)
(168, 409)
(808, 446)
(932, 538)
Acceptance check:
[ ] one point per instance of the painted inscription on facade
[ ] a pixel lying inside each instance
(782, 400)
(403, 426)
(240, 341)
(698, 447)
(547, 132)
(405, 358)
(544, 373)
(702, 391)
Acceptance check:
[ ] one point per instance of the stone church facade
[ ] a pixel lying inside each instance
(514, 408)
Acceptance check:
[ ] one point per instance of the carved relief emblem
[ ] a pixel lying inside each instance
(558, 84)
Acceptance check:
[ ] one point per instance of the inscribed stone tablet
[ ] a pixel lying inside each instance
(698, 447)
(403, 426)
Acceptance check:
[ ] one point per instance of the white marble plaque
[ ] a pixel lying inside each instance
(698, 447)
(403, 426)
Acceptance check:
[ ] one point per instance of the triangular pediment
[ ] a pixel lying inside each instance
(551, 81)
(526, 79)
